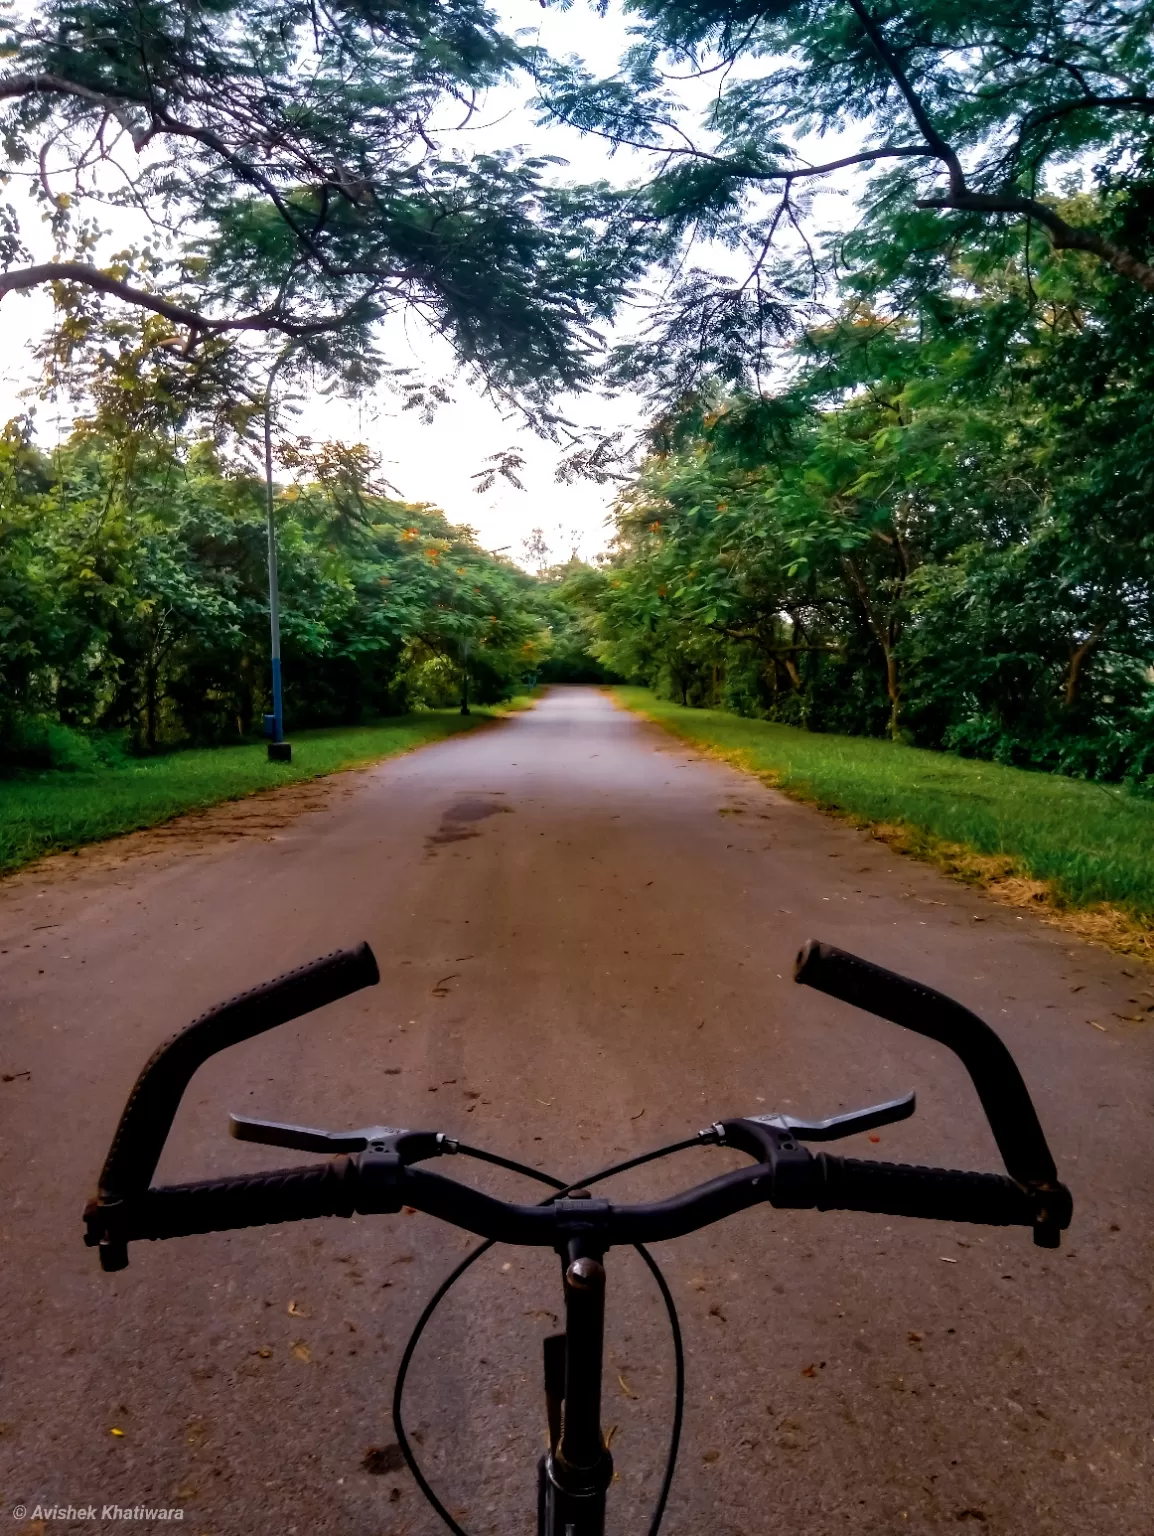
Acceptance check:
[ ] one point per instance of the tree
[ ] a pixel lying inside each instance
(970, 114)
(133, 600)
(295, 164)
(940, 528)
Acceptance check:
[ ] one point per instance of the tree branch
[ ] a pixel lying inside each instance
(945, 152)
(1063, 236)
(92, 277)
(56, 85)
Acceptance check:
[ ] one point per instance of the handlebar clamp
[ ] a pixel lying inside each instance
(379, 1174)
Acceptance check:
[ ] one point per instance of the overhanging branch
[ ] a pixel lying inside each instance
(1063, 236)
(92, 277)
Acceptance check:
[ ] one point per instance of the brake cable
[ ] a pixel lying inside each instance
(559, 1189)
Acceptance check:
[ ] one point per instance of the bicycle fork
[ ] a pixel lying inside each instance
(577, 1469)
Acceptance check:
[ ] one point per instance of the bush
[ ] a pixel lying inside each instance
(37, 744)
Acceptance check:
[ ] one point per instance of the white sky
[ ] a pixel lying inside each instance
(435, 462)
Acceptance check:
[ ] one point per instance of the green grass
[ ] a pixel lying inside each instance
(1089, 843)
(47, 812)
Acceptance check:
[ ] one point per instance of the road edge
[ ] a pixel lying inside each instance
(999, 876)
(46, 862)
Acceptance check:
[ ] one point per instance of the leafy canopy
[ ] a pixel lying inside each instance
(305, 172)
(952, 119)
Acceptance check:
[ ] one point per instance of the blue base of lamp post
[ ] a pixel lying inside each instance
(280, 752)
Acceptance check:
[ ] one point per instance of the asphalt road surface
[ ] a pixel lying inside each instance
(585, 935)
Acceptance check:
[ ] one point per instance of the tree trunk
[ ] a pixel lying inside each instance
(150, 705)
(883, 633)
(893, 689)
(1078, 655)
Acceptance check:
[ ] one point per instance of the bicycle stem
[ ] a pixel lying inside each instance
(577, 1471)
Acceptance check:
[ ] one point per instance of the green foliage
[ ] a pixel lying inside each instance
(1090, 843)
(958, 122)
(939, 530)
(571, 657)
(305, 171)
(133, 596)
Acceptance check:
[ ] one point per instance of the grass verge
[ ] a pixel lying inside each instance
(1082, 854)
(48, 812)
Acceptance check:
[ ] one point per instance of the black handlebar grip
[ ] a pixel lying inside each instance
(942, 1194)
(152, 1105)
(994, 1072)
(216, 1205)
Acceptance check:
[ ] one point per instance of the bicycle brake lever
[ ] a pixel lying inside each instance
(838, 1126)
(410, 1146)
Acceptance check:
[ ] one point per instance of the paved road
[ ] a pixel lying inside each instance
(585, 936)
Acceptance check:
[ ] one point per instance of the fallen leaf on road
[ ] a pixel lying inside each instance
(638, 1115)
(949, 1261)
(264, 1352)
(548, 1103)
(711, 1455)
(609, 1433)
(809, 1370)
(301, 1351)
(625, 1387)
(875, 1138)
(914, 1338)
(1093, 1023)
(119, 1433)
(295, 1311)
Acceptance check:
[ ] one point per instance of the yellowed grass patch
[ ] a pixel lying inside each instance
(1000, 876)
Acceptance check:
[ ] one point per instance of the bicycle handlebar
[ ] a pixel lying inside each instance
(992, 1069)
(380, 1179)
(157, 1092)
(376, 1183)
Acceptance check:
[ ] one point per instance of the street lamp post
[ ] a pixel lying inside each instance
(279, 750)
